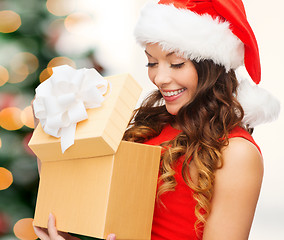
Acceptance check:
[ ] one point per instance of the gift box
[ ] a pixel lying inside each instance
(99, 185)
(103, 130)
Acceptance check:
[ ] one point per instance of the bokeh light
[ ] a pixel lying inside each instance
(4, 223)
(9, 21)
(0, 142)
(24, 60)
(10, 118)
(60, 7)
(23, 229)
(4, 75)
(79, 23)
(6, 178)
(45, 74)
(20, 76)
(54, 31)
(7, 100)
(58, 61)
(27, 117)
(22, 64)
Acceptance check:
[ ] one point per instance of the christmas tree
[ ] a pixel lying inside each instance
(35, 35)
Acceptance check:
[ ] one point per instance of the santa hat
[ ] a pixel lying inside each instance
(216, 30)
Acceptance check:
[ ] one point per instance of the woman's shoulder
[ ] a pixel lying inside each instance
(243, 135)
(242, 154)
(241, 148)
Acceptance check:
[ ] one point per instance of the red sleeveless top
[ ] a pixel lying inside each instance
(175, 220)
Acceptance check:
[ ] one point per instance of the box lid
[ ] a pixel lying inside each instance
(102, 132)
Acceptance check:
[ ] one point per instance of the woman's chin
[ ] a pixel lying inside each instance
(172, 111)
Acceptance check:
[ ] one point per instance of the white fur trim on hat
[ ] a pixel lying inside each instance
(194, 36)
(258, 104)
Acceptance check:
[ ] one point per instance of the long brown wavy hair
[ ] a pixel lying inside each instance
(205, 122)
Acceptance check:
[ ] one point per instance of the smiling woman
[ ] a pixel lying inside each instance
(175, 77)
(202, 113)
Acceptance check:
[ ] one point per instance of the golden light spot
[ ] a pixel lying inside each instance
(10, 118)
(27, 117)
(6, 178)
(0, 143)
(56, 24)
(23, 229)
(79, 23)
(60, 7)
(57, 61)
(49, 70)
(4, 75)
(18, 77)
(9, 21)
(54, 31)
(24, 63)
(45, 74)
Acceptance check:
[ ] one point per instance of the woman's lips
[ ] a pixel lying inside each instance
(170, 96)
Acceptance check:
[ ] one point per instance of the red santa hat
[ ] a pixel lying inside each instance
(211, 29)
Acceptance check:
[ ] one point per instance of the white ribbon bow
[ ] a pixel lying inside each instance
(61, 101)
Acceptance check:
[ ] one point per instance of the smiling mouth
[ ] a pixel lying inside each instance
(172, 93)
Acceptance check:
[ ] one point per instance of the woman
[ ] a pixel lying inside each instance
(211, 168)
(200, 118)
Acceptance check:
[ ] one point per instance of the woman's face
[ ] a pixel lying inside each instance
(175, 76)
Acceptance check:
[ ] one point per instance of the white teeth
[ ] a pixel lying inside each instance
(173, 93)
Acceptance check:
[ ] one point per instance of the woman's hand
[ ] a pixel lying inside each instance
(51, 232)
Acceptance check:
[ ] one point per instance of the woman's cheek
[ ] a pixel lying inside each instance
(151, 76)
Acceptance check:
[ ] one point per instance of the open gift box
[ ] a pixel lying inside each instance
(99, 185)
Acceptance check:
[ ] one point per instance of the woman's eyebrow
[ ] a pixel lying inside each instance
(169, 54)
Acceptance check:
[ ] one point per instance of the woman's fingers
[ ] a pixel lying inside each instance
(41, 233)
(111, 237)
(52, 231)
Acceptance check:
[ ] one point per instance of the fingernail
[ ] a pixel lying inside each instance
(50, 215)
(111, 237)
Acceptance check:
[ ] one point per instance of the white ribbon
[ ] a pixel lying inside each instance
(61, 101)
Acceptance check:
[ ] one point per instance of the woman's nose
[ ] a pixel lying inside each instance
(162, 77)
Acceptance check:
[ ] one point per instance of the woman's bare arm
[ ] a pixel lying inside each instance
(236, 192)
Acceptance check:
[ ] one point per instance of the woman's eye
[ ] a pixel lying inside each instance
(177, 65)
(151, 64)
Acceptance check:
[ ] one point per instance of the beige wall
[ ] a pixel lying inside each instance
(267, 20)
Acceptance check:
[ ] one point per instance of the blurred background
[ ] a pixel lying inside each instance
(36, 35)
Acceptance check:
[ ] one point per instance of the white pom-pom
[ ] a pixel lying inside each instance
(258, 104)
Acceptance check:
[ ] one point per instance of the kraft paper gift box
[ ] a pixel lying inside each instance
(99, 185)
